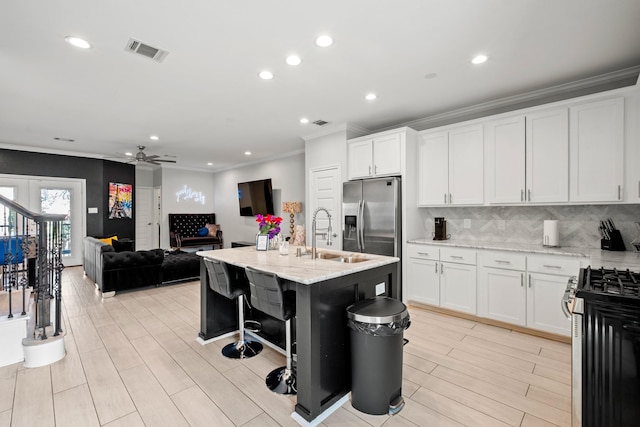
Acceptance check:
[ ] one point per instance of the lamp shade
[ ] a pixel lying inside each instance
(292, 207)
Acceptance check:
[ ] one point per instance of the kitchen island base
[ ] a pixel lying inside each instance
(322, 336)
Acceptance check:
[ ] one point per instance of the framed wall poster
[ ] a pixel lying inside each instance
(120, 200)
(262, 242)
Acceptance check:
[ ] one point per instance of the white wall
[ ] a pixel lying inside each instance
(288, 181)
(175, 180)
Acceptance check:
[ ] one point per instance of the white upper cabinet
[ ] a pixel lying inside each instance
(528, 158)
(433, 169)
(375, 156)
(506, 160)
(450, 167)
(548, 156)
(597, 151)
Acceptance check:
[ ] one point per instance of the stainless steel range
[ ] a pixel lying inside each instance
(604, 306)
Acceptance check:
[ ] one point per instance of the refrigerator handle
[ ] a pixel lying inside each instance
(361, 225)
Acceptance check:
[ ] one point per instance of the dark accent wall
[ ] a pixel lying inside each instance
(97, 173)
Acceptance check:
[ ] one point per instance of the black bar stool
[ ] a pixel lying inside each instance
(268, 296)
(220, 282)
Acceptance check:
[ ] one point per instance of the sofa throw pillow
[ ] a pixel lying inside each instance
(122, 246)
(212, 229)
(203, 231)
(108, 240)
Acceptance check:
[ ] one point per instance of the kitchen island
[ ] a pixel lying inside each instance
(324, 289)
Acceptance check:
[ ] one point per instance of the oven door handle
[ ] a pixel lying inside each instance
(567, 297)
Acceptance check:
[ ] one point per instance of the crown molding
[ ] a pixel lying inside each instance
(569, 89)
(350, 128)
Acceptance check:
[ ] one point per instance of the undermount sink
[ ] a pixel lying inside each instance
(327, 255)
(340, 258)
(349, 259)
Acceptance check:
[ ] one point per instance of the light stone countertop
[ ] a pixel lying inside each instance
(298, 269)
(597, 257)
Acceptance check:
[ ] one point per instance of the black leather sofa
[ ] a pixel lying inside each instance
(117, 271)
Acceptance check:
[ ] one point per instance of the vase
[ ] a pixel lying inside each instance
(274, 242)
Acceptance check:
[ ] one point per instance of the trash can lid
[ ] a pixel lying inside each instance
(379, 310)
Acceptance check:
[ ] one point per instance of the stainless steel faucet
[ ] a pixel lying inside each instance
(314, 251)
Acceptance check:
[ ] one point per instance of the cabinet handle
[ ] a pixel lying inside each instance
(456, 257)
(522, 195)
(551, 266)
(529, 280)
(619, 198)
(423, 253)
(521, 280)
(369, 170)
(375, 169)
(500, 261)
(441, 268)
(445, 198)
(436, 264)
(449, 198)
(529, 193)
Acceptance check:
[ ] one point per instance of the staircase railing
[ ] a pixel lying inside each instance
(30, 257)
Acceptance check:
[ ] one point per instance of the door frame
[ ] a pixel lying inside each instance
(337, 228)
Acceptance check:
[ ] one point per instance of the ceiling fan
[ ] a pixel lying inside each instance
(153, 159)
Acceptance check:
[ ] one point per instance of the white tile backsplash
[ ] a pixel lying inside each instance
(523, 224)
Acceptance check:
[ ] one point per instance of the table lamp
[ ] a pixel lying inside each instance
(291, 208)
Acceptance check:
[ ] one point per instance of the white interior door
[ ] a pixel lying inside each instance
(144, 218)
(325, 191)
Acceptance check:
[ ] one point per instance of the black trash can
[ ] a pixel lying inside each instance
(377, 326)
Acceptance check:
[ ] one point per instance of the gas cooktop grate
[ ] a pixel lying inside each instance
(612, 281)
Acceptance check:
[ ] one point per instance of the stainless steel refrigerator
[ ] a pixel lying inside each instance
(371, 220)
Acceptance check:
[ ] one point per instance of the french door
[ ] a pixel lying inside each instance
(53, 196)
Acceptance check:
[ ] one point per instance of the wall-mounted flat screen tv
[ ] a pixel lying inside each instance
(255, 197)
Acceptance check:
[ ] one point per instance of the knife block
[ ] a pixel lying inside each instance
(615, 243)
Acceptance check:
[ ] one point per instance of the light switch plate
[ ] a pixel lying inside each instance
(502, 224)
(92, 210)
(467, 223)
(380, 288)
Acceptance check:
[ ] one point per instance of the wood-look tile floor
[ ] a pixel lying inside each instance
(132, 360)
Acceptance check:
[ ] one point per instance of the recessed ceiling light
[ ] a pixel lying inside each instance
(154, 137)
(304, 120)
(266, 75)
(247, 153)
(209, 164)
(77, 42)
(324, 41)
(128, 154)
(293, 60)
(479, 59)
(430, 76)
(370, 96)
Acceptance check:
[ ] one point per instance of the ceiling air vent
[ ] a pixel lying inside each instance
(320, 122)
(136, 46)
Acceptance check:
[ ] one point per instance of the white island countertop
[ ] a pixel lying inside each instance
(298, 269)
(597, 257)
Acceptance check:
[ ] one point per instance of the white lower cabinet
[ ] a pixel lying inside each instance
(458, 287)
(544, 293)
(432, 280)
(424, 281)
(502, 295)
(511, 287)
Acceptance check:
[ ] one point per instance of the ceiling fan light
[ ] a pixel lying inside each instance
(154, 137)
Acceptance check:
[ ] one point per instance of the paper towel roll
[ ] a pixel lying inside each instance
(550, 233)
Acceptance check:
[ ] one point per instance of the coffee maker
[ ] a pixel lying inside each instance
(440, 228)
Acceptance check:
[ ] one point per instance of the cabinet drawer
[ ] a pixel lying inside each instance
(507, 261)
(461, 256)
(565, 266)
(423, 252)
